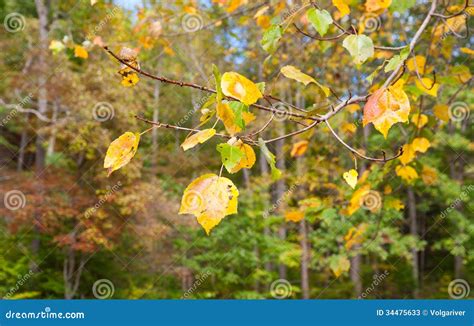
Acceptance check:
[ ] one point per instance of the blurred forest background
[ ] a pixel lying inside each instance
(69, 231)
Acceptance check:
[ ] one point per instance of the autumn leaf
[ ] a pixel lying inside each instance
(299, 148)
(417, 63)
(230, 155)
(80, 52)
(121, 151)
(355, 235)
(419, 120)
(225, 113)
(429, 175)
(210, 198)
(342, 6)
(394, 203)
(198, 138)
(427, 86)
(376, 5)
(386, 107)
(420, 144)
(296, 74)
(357, 199)
(239, 87)
(360, 47)
(407, 173)
(248, 159)
(270, 158)
(408, 154)
(294, 216)
(351, 177)
(339, 265)
(441, 111)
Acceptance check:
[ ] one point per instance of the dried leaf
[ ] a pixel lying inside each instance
(121, 151)
(210, 198)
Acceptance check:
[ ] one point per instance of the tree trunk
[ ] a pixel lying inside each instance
(279, 193)
(414, 232)
(266, 230)
(52, 137)
(42, 108)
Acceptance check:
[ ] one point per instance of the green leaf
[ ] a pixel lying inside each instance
(320, 19)
(217, 78)
(271, 37)
(230, 155)
(270, 158)
(396, 60)
(360, 47)
(238, 108)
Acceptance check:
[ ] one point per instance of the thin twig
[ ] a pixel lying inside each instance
(383, 160)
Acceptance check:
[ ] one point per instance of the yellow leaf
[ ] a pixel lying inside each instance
(417, 63)
(264, 21)
(210, 198)
(353, 108)
(235, 4)
(429, 175)
(341, 265)
(355, 235)
(351, 177)
(420, 144)
(407, 173)
(80, 52)
(247, 160)
(357, 199)
(348, 127)
(121, 151)
(426, 85)
(239, 87)
(441, 111)
(419, 120)
(375, 5)
(386, 107)
(408, 154)
(198, 138)
(342, 6)
(261, 11)
(248, 117)
(130, 79)
(299, 148)
(467, 51)
(296, 74)
(294, 216)
(387, 190)
(225, 113)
